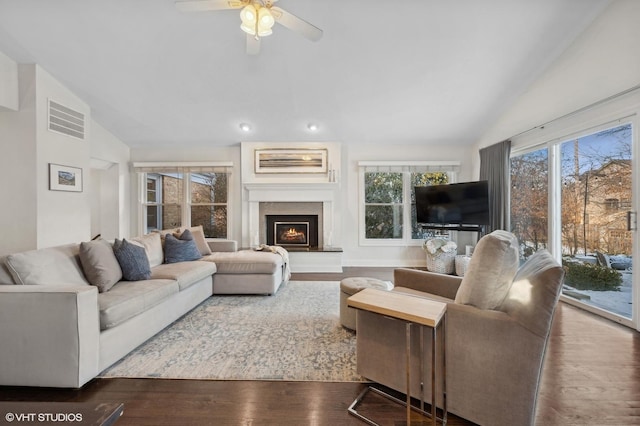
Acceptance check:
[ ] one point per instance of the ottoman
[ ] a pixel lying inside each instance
(349, 287)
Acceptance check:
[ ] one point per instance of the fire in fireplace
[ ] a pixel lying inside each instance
(291, 233)
(292, 230)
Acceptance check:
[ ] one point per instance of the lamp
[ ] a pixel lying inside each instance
(256, 20)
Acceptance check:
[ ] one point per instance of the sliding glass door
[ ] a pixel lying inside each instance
(597, 245)
(592, 180)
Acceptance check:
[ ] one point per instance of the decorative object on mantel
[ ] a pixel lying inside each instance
(441, 254)
(284, 160)
(65, 178)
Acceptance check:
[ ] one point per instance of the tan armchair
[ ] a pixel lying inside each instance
(494, 352)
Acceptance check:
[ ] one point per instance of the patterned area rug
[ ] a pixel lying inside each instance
(295, 335)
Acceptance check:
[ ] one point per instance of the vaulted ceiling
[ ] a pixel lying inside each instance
(384, 72)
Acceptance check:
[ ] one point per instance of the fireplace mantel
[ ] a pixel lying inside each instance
(327, 193)
(291, 191)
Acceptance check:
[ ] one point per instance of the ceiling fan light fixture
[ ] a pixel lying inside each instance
(265, 19)
(248, 15)
(256, 20)
(248, 29)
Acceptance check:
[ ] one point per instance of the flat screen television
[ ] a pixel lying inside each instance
(456, 204)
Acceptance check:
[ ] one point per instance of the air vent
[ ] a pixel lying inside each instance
(65, 120)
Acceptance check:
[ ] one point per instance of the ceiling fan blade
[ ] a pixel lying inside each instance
(253, 45)
(296, 24)
(203, 5)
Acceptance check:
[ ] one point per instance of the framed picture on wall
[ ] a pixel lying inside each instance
(291, 161)
(65, 178)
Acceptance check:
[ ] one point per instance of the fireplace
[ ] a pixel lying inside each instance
(292, 230)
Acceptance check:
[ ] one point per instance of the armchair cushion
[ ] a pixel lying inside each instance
(491, 270)
(534, 293)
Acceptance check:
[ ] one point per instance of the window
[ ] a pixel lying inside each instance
(383, 205)
(529, 200)
(185, 195)
(572, 197)
(209, 193)
(164, 201)
(611, 204)
(388, 199)
(153, 212)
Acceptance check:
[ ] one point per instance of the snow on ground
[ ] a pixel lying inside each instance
(618, 302)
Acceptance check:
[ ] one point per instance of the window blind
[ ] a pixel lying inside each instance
(209, 167)
(409, 166)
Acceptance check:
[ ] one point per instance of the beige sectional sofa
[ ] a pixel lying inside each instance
(58, 330)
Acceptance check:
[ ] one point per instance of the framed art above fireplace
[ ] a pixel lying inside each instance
(283, 160)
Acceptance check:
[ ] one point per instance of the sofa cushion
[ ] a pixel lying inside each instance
(152, 244)
(534, 293)
(182, 249)
(49, 266)
(199, 238)
(127, 299)
(133, 260)
(490, 272)
(245, 262)
(5, 275)
(185, 273)
(100, 264)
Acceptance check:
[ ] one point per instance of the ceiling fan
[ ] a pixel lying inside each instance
(257, 17)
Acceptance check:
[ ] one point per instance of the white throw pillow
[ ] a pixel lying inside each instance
(490, 272)
(152, 244)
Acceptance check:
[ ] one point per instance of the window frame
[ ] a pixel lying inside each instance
(143, 169)
(621, 111)
(452, 168)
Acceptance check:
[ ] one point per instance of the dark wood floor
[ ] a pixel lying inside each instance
(591, 377)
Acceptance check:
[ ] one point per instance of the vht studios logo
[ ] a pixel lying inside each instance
(43, 417)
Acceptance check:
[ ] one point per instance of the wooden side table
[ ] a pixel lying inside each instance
(413, 311)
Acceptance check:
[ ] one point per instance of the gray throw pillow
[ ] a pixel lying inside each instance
(180, 250)
(100, 264)
(133, 260)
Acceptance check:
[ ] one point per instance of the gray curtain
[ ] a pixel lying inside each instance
(494, 168)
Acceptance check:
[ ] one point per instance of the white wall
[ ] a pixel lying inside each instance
(33, 216)
(18, 164)
(111, 192)
(8, 83)
(62, 217)
(602, 62)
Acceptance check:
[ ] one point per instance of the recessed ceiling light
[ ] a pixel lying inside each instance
(312, 127)
(245, 127)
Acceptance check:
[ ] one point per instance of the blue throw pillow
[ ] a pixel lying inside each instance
(133, 260)
(180, 250)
